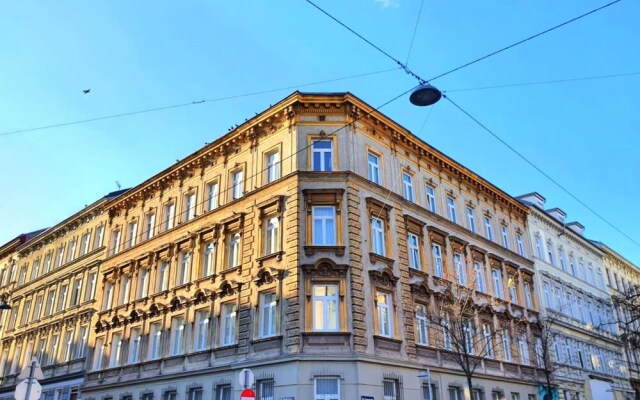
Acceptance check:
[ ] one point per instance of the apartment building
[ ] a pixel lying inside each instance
(51, 290)
(622, 276)
(576, 305)
(309, 244)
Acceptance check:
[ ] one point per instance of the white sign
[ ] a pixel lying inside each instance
(34, 393)
(246, 378)
(37, 371)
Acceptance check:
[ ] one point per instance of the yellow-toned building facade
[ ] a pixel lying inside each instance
(50, 286)
(306, 245)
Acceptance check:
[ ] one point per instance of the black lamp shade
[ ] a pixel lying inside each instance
(425, 95)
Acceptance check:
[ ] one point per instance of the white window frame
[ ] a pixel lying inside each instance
(408, 191)
(321, 226)
(208, 259)
(150, 225)
(213, 195)
(438, 263)
(520, 244)
(384, 308)
(169, 216)
(480, 278)
(155, 341)
(189, 206)
(378, 244)
(201, 331)
(237, 182)
(176, 341)
(321, 152)
(228, 322)
(268, 318)
(373, 167)
(432, 204)
(505, 236)
(488, 228)
(461, 270)
(496, 276)
(183, 275)
(422, 325)
(233, 250)
(271, 235)
(326, 396)
(134, 345)
(471, 220)
(451, 210)
(413, 244)
(273, 166)
(326, 304)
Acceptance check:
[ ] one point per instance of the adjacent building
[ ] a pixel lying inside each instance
(576, 305)
(309, 244)
(50, 286)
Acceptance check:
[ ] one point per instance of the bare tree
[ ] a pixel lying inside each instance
(454, 312)
(627, 311)
(545, 339)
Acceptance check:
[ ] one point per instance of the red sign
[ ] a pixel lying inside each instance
(248, 394)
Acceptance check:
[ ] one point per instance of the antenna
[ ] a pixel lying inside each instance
(119, 185)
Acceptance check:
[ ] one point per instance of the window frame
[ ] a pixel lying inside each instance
(272, 171)
(373, 169)
(312, 139)
(408, 187)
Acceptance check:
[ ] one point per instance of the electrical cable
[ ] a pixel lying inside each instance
(263, 170)
(546, 175)
(82, 121)
(508, 85)
(415, 29)
(526, 39)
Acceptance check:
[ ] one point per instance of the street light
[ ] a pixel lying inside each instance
(425, 95)
(4, 306)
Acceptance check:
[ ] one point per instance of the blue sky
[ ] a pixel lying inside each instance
(144, 54)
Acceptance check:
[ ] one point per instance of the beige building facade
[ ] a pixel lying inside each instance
(50, 286)
(308, 244)
(576, 304)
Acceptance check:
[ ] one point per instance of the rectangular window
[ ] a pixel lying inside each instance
(213, 195)
(488, 228)
(265, 390)
(438, 267)
(228, 325)
(572, 265)
(527, 295)
(520, 245)
(479, 271)
(374, 168)
(237, 189)
(461, 270)
(505, 236)
(108, 296)
(325, 301)
(163, 276)
(143, 283)
(76, 291)
(563, 262)
(184, 269)
(84, 243)
(82, 341)
(471, 220)
(233, 250)
(47, 263)
(125, 290)
(116, 350)
(407, 187)
(132, 233)
(71, 249)
(431, 199)
(37, 311)
(169, 216)
(208, 259)
(385, 321)
(62, 298)
(189, 206)
(322, 155)
(488, 340)
(422, 325)
(170, 395)
(451, 210)
(539, 250)
(155, 340)
(391, 389)
(539, 353)
(497, 283)
(429, 393)
(455, 393)
(201, 336)
(413, 244)
(469, 333)
(51, 298)
(550, 254)
(271, 236)
(149, 225)
(324, 225)
(59, 257)
(327, 388)
(195, 394)
(223, 392)
(134, 346)
(506, 345)
(377, 236)
(524, 349)
(268, 315)
(53, 355)
(26, 309)
(98, 237)
(115, 241)
(35, 270)
(273, 166)
(98, 354)
(176, 342)
(90, 289)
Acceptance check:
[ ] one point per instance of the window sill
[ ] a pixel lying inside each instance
(226, 271)
(226, 351)
(276, 255)
(374, 257)
(340, 339)
(311, 250)
(272, 342)
(387, 343)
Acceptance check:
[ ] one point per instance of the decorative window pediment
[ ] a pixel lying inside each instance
(384, 277)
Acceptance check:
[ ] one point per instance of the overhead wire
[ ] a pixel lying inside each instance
(222, 192)
(540, 170)
(191, 103)
(508, 85)
(415, 29)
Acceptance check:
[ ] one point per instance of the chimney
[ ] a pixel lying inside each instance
(557, 213)
(533, 198)
(576, 226)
